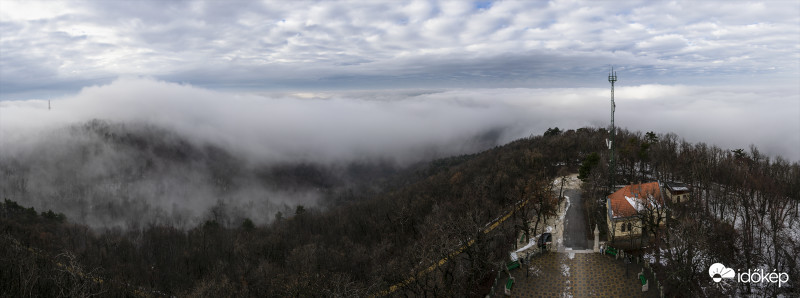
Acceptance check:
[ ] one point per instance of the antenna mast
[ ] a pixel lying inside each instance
(612, 167)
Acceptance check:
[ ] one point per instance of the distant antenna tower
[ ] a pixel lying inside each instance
(612, 167)
(48, 104)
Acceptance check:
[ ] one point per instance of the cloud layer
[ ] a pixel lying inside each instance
(51, 48)
(392, 127)
(408, 126)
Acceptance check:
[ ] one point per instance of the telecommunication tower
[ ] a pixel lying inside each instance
(612, 166)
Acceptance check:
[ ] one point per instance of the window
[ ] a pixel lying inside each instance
(623, 227)
(629, 227)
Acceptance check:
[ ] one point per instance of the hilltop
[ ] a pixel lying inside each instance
(372, 226)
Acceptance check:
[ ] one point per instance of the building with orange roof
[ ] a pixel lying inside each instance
(629, 206)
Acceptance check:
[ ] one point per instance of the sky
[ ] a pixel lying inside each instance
(336, 74)
(50, 48)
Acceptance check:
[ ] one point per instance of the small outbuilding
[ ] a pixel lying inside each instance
(677, 192)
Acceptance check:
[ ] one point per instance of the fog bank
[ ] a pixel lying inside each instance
(177, 154)
(412, 125)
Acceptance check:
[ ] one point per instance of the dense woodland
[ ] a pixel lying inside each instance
(364, 237)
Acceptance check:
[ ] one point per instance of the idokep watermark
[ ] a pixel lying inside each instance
(718, 272)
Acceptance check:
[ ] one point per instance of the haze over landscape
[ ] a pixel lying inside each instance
(205, 148)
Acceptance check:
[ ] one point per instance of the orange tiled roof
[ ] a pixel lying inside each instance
(621, 207)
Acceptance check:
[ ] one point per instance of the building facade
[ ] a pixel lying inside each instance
(676, 192)
(630, 207)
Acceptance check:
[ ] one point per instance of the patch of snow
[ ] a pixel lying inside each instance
(531, 243)
(561, 217)
(564, 270)
(534, 271)
(635, 203)
(548, 229)
(638, 204)
(571, 255)
(651, 258)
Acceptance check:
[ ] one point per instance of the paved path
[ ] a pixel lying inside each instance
(575, 226)
(579, 275)
(576, 271)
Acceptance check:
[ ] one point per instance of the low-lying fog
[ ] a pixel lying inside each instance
(253, 130)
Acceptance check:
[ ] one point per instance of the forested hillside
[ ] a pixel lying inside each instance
(129, 175)
(372, 226)
(361, 240)
(742, 211)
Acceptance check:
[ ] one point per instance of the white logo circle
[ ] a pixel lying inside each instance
(717, 271)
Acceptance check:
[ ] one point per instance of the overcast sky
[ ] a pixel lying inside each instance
(50, 48)
(724, 72)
